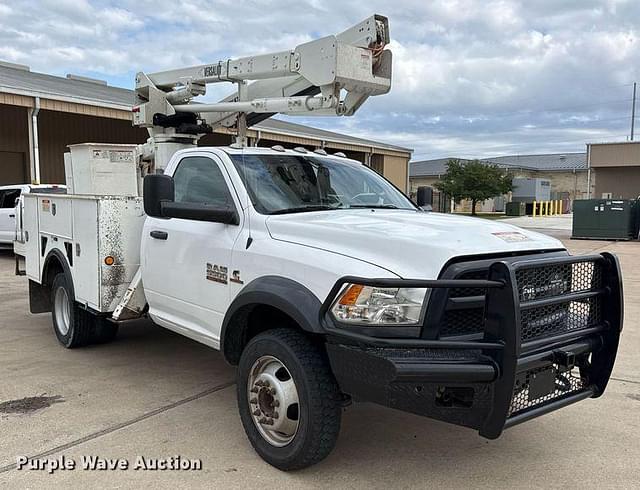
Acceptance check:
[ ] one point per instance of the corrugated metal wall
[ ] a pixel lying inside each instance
(615, 154)
(616, 169)
(14, 144)
(620, 182)
(396, 169)
(58, 129)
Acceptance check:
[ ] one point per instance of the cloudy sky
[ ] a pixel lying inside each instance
(472, 78)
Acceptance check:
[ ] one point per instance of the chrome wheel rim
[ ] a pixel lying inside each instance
(63, 312)
(273, 401)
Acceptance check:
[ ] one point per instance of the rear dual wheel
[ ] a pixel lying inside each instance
(74, 326)
(289, 401)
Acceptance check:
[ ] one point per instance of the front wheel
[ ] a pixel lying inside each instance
(289, 401)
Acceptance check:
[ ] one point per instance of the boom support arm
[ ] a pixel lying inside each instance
(310, 79)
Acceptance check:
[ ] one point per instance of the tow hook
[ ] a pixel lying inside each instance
(564, 359)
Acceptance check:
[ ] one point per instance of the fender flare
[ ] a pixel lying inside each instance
(40, 294)
(286, 295)
(63, 261)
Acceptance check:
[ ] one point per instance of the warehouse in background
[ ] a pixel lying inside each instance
(614, 169)
(41, 114)
(567, 174)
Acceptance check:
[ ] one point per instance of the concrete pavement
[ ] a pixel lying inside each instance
(153, 393)
(562, 222)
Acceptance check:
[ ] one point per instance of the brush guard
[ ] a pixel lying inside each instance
(551, 332)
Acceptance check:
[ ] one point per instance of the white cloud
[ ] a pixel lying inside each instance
(478, 77)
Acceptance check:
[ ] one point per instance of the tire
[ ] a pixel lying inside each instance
(73, 326)
(319, 399)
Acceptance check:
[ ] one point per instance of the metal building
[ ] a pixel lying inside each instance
(41, 114)
(614, 169)
(566, 172)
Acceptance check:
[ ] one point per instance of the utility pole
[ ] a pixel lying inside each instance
(633, 110)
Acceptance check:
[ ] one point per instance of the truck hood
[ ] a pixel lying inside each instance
(411, 244)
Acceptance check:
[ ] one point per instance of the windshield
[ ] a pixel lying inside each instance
(279, 184)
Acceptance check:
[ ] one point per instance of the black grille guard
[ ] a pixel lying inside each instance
(535, 321)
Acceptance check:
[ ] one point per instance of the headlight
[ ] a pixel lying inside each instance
(379, 306)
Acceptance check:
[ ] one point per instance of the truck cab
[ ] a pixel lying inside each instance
(469, 321)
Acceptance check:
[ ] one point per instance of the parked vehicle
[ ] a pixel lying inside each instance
(311, 273)
(322, 282)
(10, 207)
(8, 199)
(18, 233)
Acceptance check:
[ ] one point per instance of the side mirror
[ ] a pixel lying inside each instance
(159, 196)
(200, 212)
(424, 196)
(157, 189)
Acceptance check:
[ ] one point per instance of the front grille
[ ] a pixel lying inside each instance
(465, 321)
(465, 292)
(549, 281)
(554, 280)
(462, 322)
(559, 318)
(534, 282)
(566, 383)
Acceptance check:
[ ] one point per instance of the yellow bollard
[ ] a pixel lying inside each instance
(534, 209)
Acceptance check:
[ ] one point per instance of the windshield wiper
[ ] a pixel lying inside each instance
(302, 209)
(374, 206)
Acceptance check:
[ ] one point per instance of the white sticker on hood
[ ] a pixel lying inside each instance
(512, 236)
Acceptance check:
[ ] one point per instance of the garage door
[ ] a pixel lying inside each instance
(13, 168)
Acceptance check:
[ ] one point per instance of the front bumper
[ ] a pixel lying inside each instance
(542, 347)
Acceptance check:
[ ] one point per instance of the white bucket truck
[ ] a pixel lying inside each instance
(310, 272)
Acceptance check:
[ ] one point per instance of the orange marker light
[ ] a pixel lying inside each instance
(109, 260)
(350, 297)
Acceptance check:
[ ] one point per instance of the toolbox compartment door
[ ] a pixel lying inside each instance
(32, 241)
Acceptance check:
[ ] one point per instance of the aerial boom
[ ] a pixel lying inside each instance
(333, 75)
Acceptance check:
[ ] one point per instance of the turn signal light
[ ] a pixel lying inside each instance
(351, 295)
(109, 260)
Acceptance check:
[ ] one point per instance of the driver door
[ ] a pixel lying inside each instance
(186, 262)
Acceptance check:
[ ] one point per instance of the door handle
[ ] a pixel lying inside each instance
(160, 235)
(12, 216)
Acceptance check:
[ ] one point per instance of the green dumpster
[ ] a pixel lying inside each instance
(515, 209)
(605, 219)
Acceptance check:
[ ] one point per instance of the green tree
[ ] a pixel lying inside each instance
(474, 180)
